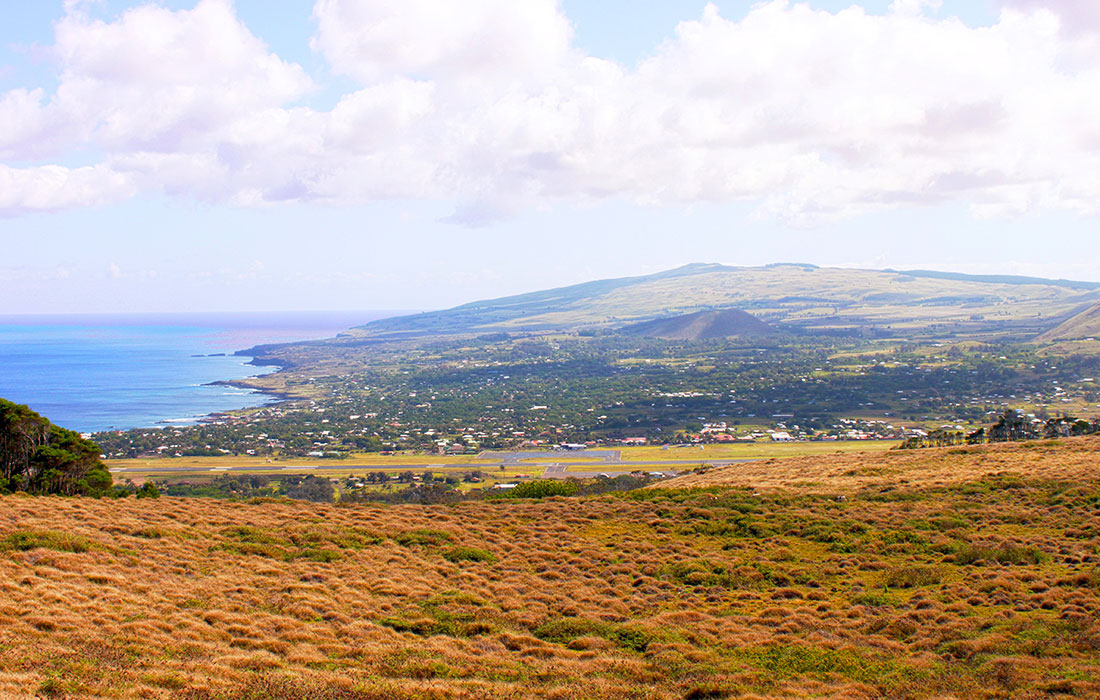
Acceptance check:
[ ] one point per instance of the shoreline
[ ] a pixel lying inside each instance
(152, 371)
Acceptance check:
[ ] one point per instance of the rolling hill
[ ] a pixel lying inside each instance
(1083, 325)
(792, 297)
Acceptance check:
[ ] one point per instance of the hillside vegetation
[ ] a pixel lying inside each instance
(926, 574)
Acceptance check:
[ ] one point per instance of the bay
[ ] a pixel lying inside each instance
(113, 372)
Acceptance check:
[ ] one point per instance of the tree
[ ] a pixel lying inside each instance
(42, 458)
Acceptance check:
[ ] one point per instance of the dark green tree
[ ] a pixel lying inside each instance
(41, 458)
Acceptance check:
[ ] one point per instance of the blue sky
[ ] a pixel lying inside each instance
(345, 154)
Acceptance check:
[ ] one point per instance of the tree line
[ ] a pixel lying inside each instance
(1011, 426)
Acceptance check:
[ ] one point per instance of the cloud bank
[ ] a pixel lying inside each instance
(809, 115)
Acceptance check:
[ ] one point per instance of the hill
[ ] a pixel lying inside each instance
(787, 585)
(788, 296)
(702, 325)
(1083, 325)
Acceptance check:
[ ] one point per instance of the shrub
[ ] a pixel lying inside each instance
(541, 488)
(912, 576)
(875, 599)
(1007, 553)
(423, 536)
(701, 572)
(322, 555)
(251, 549)
(24, 540)
(786, 661)
(253, 535)
(457, 554)
(567, 629)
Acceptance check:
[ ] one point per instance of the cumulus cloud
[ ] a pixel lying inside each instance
(53, 188)
(153, 90)
(810, 114)
(1075, 15)
(470, 40)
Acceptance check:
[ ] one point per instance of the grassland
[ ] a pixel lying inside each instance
(755, 450)
(925, 574)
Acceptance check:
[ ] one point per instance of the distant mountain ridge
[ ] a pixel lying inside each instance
(503, 309)
(788, 296)
(997, 279)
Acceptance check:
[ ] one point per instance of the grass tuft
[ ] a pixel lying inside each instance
(457, 554)
(25, 540)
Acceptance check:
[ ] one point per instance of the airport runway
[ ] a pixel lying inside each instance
(550, 469)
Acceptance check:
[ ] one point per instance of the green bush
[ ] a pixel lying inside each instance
(253, 535)
(541, 488)
(875, 599)
(457, 554)
(566, 629)
(24, 540)
(322, 555)
(784, 661)
(701, 572)
(423, 537)
(966, 554)
(912, 576)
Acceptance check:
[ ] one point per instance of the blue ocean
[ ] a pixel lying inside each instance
(96, 372)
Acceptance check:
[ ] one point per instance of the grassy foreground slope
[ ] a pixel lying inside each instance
(889, 584)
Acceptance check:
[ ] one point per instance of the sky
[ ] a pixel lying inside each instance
(219, 155)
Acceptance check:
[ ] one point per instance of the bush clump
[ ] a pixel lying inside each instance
(1008, 553)
(541, 488)
(457, 554)
(423, 537)
(912, 577)
(567, 629)
(702, 572)
(25, 540)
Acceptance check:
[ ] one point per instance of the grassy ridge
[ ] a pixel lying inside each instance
(983, 588)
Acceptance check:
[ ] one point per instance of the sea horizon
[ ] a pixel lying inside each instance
(116, 371)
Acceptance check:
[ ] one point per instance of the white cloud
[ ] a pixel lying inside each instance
(813, 115)
(54, 188)
(1075, 15)
(469, 40)
(915, 7)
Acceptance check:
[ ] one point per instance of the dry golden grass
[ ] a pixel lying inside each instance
(754, 450)
(1071, 458)
(986, 587)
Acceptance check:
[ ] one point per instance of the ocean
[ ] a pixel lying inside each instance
(105, 372)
